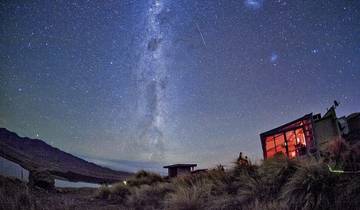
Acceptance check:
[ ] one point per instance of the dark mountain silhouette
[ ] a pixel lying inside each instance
(36, 155)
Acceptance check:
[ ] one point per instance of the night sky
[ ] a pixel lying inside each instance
(173, 81)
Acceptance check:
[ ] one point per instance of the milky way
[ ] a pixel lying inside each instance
(152, 84)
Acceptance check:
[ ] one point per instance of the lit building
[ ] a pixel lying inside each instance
(306, 135)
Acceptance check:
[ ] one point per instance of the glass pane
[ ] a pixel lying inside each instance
(270, 146)
(280, 143)
(300, 141)
(291, 141)
(300, 137)
(269, 143)
(270, 153)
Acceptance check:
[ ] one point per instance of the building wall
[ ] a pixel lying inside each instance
(354, 123)
(172, 172)
(325, 130)
(182, 171)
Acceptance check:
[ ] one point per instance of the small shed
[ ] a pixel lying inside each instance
(180, 169)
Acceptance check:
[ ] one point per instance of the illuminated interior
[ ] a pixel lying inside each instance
(292, 139)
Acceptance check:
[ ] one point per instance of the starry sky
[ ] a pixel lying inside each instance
(173, 81)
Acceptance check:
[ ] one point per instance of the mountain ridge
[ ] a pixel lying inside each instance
(37, 155)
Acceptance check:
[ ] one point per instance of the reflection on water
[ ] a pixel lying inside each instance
(62, 183)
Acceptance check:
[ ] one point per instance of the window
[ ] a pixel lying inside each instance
(280, 143)
(270, 146)
(291, 142)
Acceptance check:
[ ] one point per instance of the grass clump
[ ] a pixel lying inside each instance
(311, 187)
(103, 192)
(144, 178)
(348, 192)
(189, 194)
(15, 195)
(119, 192)
(273, 173)
(149, 196)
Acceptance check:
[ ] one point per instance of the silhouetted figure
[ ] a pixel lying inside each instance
(240, 156)
(243, 161)
(220, 168)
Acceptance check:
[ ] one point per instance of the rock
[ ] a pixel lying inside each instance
(42, 179)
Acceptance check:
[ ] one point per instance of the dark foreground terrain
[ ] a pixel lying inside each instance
(329, 182)
(15, 194)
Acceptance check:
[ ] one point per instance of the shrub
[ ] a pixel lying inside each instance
(311, 187)
(223, 182)
(14, 195)
(189, 194)
(143, 177)
(343, 155)
(274, 172)
(223, 202)
(149, 197)
(348, 192)
(337, 151)
(251, 190)
(119, 192)
(103, 192)
(353, 158)
(247, 169)
(268, 205)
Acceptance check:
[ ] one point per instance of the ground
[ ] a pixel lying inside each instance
(15, 194)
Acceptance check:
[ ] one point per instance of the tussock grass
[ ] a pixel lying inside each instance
(273, 173)
(149, 197)
(190, 193)
(103, 192)
(119, 192)
(348, 192)
(276, 183)
(14, 195)
(144, 178)
(311, 187)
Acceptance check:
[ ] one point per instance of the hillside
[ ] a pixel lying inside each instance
(35, 154)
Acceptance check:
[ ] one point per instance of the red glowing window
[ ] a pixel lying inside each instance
(292, 139)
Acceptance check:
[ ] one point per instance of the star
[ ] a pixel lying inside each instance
(314, 51)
